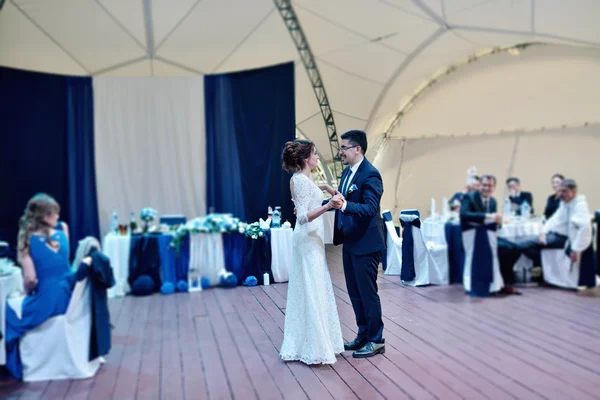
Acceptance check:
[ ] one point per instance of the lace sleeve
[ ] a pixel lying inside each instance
(302, 197)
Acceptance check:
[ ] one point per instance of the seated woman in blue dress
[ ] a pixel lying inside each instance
(43, 252)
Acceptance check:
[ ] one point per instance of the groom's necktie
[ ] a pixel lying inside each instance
(343, 191)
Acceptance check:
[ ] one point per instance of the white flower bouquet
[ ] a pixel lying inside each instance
(148, 214)
(253, 230)
(212, 223)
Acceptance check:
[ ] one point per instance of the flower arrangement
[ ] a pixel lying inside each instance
(253, 230)
(147, 215)
(212, 223)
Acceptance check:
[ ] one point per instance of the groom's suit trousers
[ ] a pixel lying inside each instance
(361, 282)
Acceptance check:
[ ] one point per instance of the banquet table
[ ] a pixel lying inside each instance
(11, 282)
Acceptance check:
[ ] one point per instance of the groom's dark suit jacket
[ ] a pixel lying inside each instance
(362, 227)
(472, 210)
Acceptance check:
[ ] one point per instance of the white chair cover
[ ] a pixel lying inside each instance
(557, 269)
(394, 248)
(469, 246)
(439, 270)
(60, 347)
(431, 263)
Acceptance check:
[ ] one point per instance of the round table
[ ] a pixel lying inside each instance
(116, 248)
(281, 253)
(11, 282)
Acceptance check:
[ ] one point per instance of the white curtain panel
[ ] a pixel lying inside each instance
(150, 144)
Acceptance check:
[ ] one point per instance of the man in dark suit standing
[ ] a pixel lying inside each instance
(481, 208)
(358, 226)
(516, 197)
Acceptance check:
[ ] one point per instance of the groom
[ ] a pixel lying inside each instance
(359, 227)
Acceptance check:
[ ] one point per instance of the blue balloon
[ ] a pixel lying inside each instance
(229, 281)
(204, 282)
(182, 286)
(167, 288)
(251, 281)
(142, 286)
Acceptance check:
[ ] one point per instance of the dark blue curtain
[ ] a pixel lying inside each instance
(83, 203)
(249, 117)
(47, 146)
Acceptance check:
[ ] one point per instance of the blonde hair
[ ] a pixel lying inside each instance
(38, 207)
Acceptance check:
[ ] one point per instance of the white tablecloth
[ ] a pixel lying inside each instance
(281, 253)
(519, 230)
(516, 231)
(8, 284)
(206, 255)
(328, 223)
(433, 230)
(116, 247)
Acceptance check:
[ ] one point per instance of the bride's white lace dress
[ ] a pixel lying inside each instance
(312, 332)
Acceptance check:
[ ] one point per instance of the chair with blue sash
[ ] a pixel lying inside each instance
(558, 270)
(481, 274)
(419, 267)
(394, 245)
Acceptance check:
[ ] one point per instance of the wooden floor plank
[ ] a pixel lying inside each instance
(237, 376)
(193, 375)
(514, 346)
(218, 386)
(440, 344)
(272, 325)
(171, 379)
(475, 339)
(148, 379)
(104, 382)
(282, 376)
(261, 378)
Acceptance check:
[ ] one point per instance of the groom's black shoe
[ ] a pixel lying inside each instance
(369, 350)
(356, 344)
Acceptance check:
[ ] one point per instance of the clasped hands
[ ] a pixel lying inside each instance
(497, 218)
(337, 201)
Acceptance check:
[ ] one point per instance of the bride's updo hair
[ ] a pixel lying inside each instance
(295, 154)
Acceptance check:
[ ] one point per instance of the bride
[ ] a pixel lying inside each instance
(312, 332)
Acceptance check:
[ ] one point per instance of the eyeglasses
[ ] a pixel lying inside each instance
(346, 148)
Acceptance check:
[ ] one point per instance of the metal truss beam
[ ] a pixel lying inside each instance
(308, 60)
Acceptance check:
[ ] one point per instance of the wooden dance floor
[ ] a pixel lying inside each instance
(222, 344)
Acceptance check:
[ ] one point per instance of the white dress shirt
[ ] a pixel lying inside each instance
(489, 217)
(572, 219)
(346, 182)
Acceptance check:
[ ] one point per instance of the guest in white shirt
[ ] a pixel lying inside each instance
(570, 227)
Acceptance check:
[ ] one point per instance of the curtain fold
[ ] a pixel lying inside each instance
(46, 145)
(150, 146)
(83, 202)
(250, 116)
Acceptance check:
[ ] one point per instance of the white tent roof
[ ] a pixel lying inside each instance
(373, 55)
